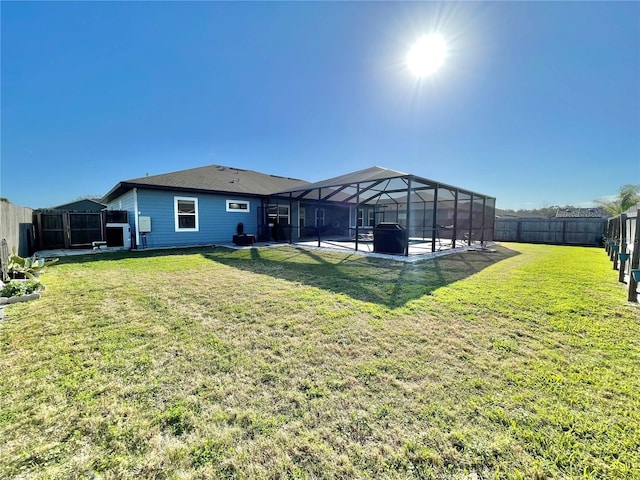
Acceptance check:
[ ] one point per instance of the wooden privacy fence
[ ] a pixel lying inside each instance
(622, 244)
(62, 229)
(16, 227)
(555, 231)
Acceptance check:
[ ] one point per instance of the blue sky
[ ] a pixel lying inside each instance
(536, 103)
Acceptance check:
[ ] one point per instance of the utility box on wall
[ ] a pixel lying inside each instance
(144, 224)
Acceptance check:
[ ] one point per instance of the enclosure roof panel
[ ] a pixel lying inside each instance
(367, 175)
(372, 183)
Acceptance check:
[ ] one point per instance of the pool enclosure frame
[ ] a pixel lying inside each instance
(434, 215)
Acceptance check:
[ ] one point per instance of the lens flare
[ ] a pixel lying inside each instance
(427, 55)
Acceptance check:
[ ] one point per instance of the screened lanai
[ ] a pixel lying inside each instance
(382, 210)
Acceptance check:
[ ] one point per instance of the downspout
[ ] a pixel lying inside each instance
(135, 216)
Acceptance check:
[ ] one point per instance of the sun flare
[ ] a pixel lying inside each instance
(427, 55)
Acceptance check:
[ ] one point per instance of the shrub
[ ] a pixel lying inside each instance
(15, 289)
(29, 267)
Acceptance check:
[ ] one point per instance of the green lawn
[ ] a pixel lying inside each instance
(286, 363)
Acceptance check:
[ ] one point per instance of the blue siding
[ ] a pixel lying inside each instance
(216, 225)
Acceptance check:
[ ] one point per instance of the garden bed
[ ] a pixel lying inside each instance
(19, 298)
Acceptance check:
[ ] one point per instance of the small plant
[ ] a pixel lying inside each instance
(16, 289)
(29, 267)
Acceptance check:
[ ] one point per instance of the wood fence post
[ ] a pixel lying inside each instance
(66, 229)
(613, 256)
(635, 262)
(623, 245)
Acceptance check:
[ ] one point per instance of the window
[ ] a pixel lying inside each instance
(238, 206)
(301, 216)
(371, 219)
(360, 217)
(186, 214)
(278, 214)
(319, 217)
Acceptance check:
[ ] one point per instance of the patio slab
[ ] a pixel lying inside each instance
(417, 251)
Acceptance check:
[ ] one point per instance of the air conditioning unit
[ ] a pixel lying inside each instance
(118, 235)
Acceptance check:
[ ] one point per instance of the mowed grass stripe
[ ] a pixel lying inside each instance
(286, 363)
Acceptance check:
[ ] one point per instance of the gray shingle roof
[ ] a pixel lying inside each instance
(595, 212)
(84, 205)
(212, 178)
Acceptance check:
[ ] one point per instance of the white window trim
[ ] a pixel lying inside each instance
(371, 218)
(175, 214)
(302, 215)
(277, 216)
(319, 217)
(237, 210)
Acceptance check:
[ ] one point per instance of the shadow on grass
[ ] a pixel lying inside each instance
(130, 254)
(385, 282)
(369, 279)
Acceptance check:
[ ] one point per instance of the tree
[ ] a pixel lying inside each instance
(628, 196)
(94, 197)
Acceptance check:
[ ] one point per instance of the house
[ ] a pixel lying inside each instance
(204, 205)
(199, 206)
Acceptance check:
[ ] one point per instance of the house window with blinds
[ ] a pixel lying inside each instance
(186, 214)
(238, 206)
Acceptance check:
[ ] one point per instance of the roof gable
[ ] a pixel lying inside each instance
(84, 205)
